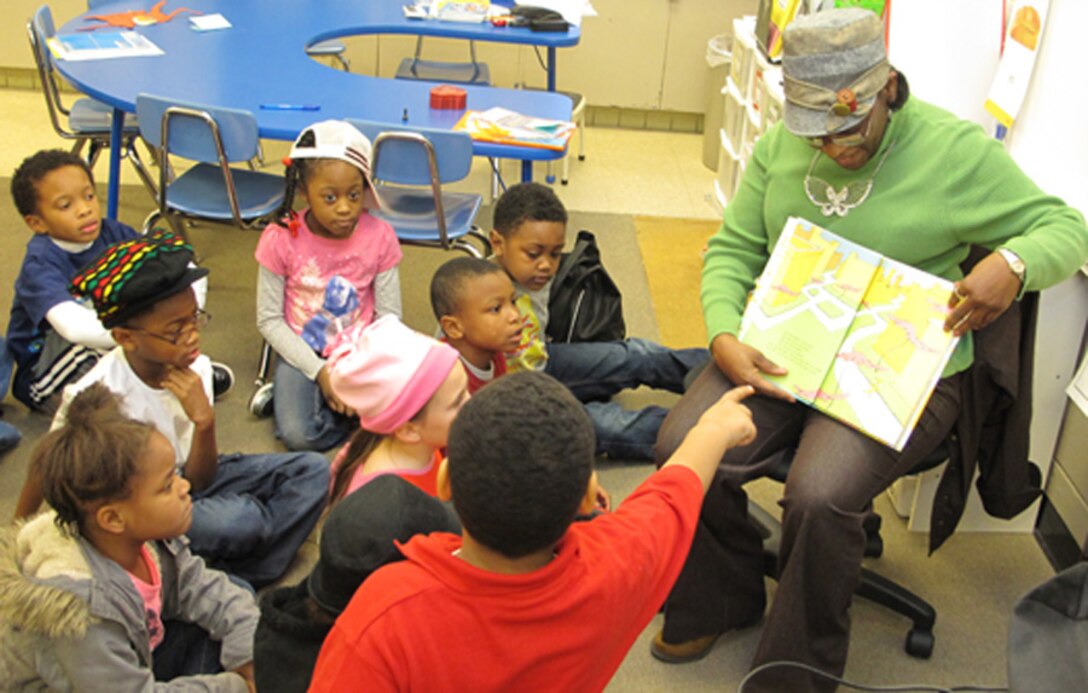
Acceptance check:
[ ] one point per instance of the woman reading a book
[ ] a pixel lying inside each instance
(857, 156)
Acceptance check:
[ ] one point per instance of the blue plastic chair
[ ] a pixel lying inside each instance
(409, 166)
(86, 121)
(215, 138)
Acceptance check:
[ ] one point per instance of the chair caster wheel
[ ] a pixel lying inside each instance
(919, 643)
(874, 546)
(874, 543)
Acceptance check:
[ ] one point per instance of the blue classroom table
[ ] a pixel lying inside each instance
(262, 60)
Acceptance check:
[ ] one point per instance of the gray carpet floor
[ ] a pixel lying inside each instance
(973, 581)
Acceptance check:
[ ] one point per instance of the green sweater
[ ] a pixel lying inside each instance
(945, 186)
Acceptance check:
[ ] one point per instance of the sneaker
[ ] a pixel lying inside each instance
(261, 403)
(222, 379)
(682, 652)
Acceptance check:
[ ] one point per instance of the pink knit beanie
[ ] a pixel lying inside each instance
(387, 372)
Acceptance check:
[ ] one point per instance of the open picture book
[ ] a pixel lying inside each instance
(861, 335)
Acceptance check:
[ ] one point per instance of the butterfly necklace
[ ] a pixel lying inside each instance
(840, 202)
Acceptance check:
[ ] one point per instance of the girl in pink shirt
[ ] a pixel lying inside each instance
(323, 270)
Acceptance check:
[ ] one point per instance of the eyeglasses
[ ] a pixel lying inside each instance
(855, 137)
(196, 323)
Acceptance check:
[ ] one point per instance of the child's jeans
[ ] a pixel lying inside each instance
(186, 650)
(303, 419)
(9, 436)
(259, 509)
(594, 371)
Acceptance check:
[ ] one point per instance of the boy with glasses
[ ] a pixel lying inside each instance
(250, 512)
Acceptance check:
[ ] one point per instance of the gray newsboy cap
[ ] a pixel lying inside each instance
(833, 66)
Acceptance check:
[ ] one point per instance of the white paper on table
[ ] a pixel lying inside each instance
(209, 22)
(572, 10)
(101, 45)
(1078, 389)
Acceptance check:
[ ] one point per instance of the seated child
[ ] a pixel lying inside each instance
(250, 512)
(322, 271)
(529, 233)
(473, 301)
(526, 600)
(406, 388)
(54, 338)
(356, 539)
(101, 592)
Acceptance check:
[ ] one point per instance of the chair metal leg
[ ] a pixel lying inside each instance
(464, 245)
(582, 138)
(263, 364)
(94, 148)
(133, 156)
(151, 221)
(177, 225)
(496, 178)
(77, 148)
(260, 402)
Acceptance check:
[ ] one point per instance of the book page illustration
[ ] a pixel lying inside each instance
(892, 355)
(805, 302)
(861, 335)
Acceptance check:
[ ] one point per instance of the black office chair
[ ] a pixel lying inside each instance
(874, 587)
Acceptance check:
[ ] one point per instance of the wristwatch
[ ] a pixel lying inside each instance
(1015, 263)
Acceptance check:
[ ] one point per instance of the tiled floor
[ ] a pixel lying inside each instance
(625, 171)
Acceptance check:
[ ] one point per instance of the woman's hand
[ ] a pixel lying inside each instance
(980, 297)
(745, 365)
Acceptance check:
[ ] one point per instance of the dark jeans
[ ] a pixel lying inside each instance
(594, 371)
(835, 475)
(259, 509)
(186, 650)
(303, 420)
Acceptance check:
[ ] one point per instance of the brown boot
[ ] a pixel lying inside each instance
(682, 652)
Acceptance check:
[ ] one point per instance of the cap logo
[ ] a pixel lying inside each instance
(846, 102)
(357, 158)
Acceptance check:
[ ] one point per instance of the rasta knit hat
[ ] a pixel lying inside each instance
(833, 66)
(358, 535)
(340, 140)
(387, 372)
(133, 275)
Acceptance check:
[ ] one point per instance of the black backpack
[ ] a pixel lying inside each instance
(585, 305)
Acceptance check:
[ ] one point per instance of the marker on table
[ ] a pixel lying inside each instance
(290, 107)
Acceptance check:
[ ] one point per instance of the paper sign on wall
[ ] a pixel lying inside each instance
(1022, 40)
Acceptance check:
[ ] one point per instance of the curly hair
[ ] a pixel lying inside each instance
(24, 182)
(520, 459)
(449, 280)
(92, 458)
(527, 202)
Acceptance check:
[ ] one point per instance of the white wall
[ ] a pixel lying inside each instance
(949, 51)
